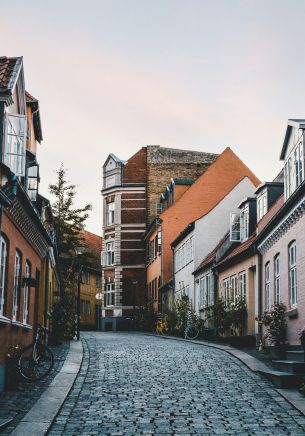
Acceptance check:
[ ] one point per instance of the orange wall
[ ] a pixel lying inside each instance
(208, 190)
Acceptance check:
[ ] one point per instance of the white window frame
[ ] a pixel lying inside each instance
(277, 279)
(27, 275)
(242, 282)
(233, 289)
(244, 224)
(17, 270)
(293, 288)
(14, 150)
(110, 212)
(267, 287)
(261, 205)
(235, 227)
(3, 260)
(226, 291)
(110, 294)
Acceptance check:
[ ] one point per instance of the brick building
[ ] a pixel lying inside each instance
(131, 194)
(28, 270)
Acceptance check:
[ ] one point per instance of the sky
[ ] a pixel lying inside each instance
(112, 76)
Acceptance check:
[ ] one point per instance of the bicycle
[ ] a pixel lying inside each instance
(191, 331)
(36, 360)
(162, 327)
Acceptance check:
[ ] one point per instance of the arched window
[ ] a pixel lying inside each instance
(3, 260)
(27, 275)
(292, 266)
(277, 279)
(267, 286)
(17, 271)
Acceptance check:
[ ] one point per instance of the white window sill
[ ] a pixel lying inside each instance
(20, 324)
(4, 320)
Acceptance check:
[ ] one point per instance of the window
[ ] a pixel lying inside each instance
(243, 285)
(109, 254)
(110, 213)
(110, 294)
(293, 274)
(27, 276)
(202, 293)
(234, 226)
(294, 166)
(17, 269)
(233, 286)
(244, 224)
(98, 281)
(226, 290)
(14, 154)
(267, 287)
(87, 278)
(32, 181)
(277, 282)
(3, 257)
(159, 242)
(85, 309)
(261, 205)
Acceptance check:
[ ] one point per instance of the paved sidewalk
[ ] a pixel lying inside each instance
(15, 404)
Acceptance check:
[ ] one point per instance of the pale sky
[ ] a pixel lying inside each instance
(115, 75)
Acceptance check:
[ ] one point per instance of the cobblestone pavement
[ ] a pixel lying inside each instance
(15, 404)
(135, 384)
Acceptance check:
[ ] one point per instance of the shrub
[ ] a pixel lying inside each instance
(276, 325)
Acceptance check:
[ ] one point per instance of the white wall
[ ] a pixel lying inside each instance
(212, 227)
(184, 277)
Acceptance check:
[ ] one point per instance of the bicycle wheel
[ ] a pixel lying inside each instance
(191, 333)
(32, 370)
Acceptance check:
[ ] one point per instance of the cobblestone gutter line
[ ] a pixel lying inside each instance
(291, 395)
(40, 417)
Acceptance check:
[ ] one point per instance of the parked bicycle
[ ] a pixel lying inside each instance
(191, 331)
(36, 360)
(162, 327)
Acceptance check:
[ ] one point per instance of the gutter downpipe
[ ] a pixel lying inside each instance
(259, 294)
(46, 291)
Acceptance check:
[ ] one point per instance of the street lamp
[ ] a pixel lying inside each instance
(78, 251)
(99, 298)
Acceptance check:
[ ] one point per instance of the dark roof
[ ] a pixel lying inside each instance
(188, 229)
(209, 259)
(7, 66)
(30, 98)
(272, 184)
(183, 181)
(34, 104)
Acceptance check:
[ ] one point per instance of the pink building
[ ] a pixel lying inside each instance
(281, 241)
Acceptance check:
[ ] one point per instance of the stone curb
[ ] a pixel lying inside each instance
(40, 417)
(291, 395)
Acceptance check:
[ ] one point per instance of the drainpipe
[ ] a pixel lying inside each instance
(259, 292)
(46, 290)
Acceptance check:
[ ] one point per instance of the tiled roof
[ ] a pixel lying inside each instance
(211, 256)
(240, 249)
(271, 212)
(7, 66)
(93, 242)
(30, 98)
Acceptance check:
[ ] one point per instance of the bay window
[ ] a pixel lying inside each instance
(15, 138)
(110, 209)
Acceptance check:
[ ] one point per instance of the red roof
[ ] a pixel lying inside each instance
(93, 245)
(240, 249)
(30, 98)
(271, 212)
(7, 66)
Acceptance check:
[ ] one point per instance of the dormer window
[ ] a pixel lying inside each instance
(293, 154)
(14, 152)
(244, 223)
(261, 205)
(239, 226)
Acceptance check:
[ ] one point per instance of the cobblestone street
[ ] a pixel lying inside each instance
(135, 384)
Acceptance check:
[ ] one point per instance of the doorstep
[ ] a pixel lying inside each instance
(40, 417)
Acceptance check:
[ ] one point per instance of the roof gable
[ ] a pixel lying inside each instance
(211, 187)
(9, 71)
(291, 124)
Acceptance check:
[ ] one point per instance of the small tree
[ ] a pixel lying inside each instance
(68, 222)
(219, 315)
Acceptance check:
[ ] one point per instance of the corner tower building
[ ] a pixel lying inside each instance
(131, 192)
